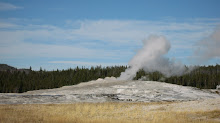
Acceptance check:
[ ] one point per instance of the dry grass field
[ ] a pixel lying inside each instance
(164, 112)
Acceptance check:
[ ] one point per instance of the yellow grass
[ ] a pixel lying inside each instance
(103, 113)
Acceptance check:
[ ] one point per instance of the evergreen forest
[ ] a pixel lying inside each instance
(18, 81)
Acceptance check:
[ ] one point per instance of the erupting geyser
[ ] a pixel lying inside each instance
(208, 48)
(151, 58)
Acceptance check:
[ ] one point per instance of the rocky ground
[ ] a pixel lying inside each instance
(110, 90)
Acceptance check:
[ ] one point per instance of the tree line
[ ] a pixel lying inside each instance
(204, 77)
(21, 81)
(17, 81)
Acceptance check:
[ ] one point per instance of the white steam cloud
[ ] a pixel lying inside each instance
(208, 48)
(151, 58)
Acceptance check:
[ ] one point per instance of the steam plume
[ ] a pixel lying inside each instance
(151, 58)
(209, 47)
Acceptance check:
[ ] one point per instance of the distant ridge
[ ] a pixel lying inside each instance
(5, 67)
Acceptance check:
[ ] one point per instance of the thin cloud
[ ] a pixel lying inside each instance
(8, 6)
(109, 39)
(28, 50)
(87, 63)
(7, 25)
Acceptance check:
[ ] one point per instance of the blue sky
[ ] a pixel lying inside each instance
(61, 34)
